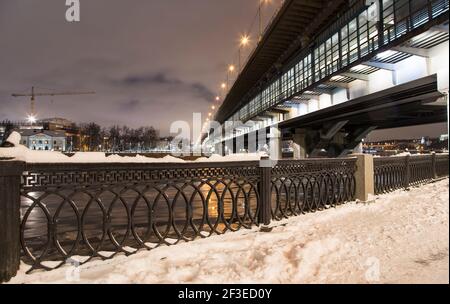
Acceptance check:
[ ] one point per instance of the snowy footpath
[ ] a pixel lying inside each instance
(402, 237)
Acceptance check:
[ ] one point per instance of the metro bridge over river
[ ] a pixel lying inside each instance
(327, 73)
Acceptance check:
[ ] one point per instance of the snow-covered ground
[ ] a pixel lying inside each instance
(402, 237)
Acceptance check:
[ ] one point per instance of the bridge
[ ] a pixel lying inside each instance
(327, 73)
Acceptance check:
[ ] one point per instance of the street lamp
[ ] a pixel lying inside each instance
(223, 86)
(231, 69)
(260, 16)
(245, 40)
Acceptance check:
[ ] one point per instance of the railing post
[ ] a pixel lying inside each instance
(407, 171)
(433, 165)
(364, 176)
(10, 173)
(265, 193)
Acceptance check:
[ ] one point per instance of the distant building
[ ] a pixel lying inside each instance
(63, 126)
(164, 144)
(43, 140)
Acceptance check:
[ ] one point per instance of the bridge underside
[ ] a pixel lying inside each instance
(339, 129)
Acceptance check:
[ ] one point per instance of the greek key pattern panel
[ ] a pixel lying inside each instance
(91, 177)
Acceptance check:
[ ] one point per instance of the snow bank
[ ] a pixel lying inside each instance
(22, 153)
(401, 238)
(14, 139)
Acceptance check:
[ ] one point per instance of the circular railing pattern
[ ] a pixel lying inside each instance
(421, 170)
(442, 165)
(393, 173)
(302, 187)
(389, 174)
(101, 221)
(75, 213)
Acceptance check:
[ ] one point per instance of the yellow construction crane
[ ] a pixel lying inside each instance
(32, 116)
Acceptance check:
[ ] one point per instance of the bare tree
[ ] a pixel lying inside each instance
(114, 138)
(91, 139)
(150, 138)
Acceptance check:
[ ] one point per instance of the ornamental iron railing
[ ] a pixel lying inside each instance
(54, 214)
(393, 173)
(78, 212)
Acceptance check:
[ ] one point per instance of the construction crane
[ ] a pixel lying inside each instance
(32, 116)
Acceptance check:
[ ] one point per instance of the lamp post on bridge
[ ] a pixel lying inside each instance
(230, 71)
(245, 40)
(260, 17)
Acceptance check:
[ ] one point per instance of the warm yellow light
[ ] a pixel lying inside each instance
(209, 114)
(231, 68)
(223, 85)
(213, 107)
(245, 40)
(217, 98)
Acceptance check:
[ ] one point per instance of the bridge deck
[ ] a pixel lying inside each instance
(403, 105)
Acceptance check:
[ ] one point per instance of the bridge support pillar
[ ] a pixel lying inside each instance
(275, 143)
(299, 144)
(364, 177)
(359, 148)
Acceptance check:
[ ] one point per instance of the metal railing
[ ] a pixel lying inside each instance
(54, 214)
(300, 187)
(101, 210)
(393, 173)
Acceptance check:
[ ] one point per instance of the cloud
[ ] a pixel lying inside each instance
(195, 89)
(130, 105)
(150, 79)
(202, 91)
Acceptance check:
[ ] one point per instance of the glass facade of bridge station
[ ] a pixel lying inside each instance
(349, 39)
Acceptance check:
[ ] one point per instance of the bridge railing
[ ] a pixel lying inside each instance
(393, 173)
(55, 214)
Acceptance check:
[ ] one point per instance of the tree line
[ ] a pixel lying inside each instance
(117, 138)
(93, 137)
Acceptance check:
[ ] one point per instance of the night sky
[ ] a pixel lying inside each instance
(151, 62)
